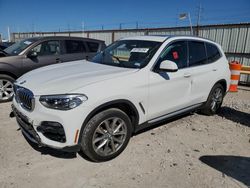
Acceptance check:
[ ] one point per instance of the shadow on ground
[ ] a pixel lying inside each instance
(237, 167)
(235, 115)
(51, 151)
(149, 127)
(55, 152)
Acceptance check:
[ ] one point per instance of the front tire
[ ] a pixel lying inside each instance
(214, 100)
(6, 88)
(106, 135)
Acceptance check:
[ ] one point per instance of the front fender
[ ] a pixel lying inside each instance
(9, 69)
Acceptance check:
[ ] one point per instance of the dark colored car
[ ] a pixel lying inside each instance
(4, 45)
(32, 53)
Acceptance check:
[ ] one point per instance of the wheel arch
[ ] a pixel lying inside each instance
(122, 104)
(223, 82)
(8, 74)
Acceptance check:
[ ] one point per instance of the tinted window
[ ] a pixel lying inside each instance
(47, 48)
(176, 52)
(75, 46)
(197, 53)
(213, 53)
(93, 46)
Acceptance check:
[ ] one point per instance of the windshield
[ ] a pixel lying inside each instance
(18, 47)
(128, 53)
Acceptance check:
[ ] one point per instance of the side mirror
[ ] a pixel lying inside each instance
(32, 54)
(169, 66)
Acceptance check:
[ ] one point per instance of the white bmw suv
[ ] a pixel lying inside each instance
(95, 106)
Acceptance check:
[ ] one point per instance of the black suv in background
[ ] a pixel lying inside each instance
(4, 45)
(32, 53)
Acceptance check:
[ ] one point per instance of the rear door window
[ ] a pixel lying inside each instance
(75, 46)
(197, 53)
(213, 53)
(93, 46)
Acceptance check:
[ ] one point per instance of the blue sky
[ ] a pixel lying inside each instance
(61, 15)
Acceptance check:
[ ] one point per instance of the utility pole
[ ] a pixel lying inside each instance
(137, 25)
(18, 29)
(8, 29)
(184, 16)
(32, 29)
(198, 19)
(190, 23)
(68, 29)
(120, 27)
(83, 26)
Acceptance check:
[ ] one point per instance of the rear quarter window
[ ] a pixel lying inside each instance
(75, 46)
(93, 46)
(213, 54)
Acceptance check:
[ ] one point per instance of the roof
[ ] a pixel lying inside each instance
(148, 38)
(64, 37)
(162, 38)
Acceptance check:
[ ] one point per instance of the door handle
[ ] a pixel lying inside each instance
(187, 75)
(214, 69)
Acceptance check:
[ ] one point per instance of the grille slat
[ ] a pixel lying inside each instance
(25, 97)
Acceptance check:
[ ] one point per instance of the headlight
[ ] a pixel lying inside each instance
(62, 102)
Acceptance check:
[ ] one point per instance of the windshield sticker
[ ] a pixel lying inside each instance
(27, 42)
(140, 50)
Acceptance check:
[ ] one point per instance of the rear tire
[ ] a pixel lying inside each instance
(6, 88)
(214, 101)
(106, 135)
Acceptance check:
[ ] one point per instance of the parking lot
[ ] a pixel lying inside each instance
(191, 151)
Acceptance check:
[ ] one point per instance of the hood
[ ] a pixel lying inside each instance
(67, 77)
(5, 57)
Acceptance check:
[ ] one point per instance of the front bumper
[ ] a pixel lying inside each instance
(30, 132)
(26, 127)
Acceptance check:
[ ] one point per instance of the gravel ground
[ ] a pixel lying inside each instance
(192, 151)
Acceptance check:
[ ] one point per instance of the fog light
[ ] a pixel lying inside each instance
(52, 130)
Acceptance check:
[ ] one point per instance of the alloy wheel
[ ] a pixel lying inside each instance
(109, 136)
(6, 90)
(216, 99)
